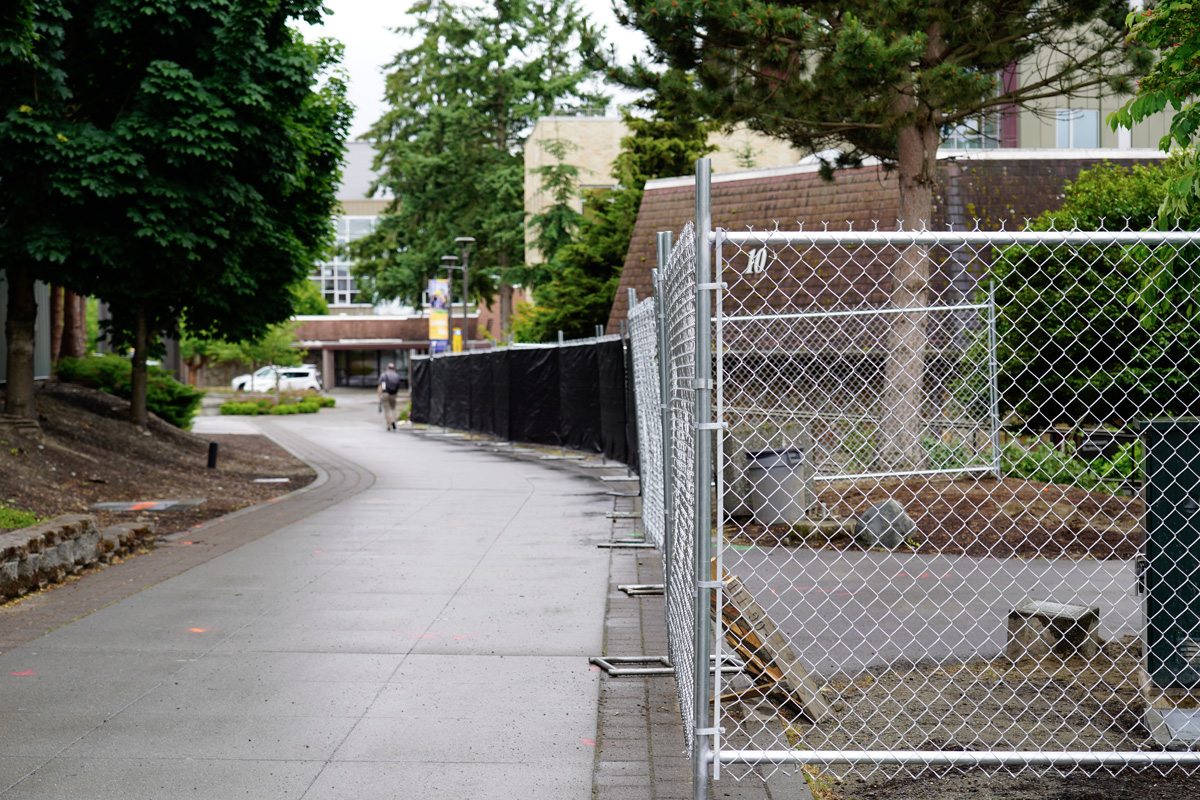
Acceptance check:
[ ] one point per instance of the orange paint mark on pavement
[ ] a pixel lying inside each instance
(25, 673)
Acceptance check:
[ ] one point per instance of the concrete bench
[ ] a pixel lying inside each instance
(1038, 628)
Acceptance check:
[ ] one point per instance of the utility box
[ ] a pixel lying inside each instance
(1171, 577)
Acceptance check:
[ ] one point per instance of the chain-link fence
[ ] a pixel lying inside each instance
(679, 310)
(956, 522)
(643, 343)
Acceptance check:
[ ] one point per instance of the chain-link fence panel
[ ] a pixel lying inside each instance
(679, 299)
(959, 498)
(643, 342)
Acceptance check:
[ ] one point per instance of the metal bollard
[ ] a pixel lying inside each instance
(212, 455)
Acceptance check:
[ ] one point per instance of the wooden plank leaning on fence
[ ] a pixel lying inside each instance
(770, 660)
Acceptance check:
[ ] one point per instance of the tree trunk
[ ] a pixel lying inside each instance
(74, 335)
(56, 322)
(902, 423)
(506, 310)
(19, 330)
(506, 301)
(137, 378)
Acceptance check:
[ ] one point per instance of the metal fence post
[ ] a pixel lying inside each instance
(664, 382)
(702, 747)
(994, 387)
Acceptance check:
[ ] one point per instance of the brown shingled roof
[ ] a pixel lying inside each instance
(990, 193)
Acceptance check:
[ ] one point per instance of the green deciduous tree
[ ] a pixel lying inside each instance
(307, 299)
(1076, 342)
(464, 99)
(194, 163)
(34, 235)
(1172, 28)
(882, 79)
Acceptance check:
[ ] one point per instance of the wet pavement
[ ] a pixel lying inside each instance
(417, 623)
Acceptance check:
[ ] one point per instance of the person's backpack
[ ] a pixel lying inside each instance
(391, 382)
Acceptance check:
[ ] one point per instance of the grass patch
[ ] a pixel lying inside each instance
(13, 518)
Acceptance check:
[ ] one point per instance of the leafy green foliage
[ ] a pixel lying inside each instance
(871, 78)
(1172, 29)
(1081, 340)
(274, 346)
(307, 299)
(1039, 461)
(463, 100)
(172, 157)
(168, 398)
(573, 302)
(947, 455)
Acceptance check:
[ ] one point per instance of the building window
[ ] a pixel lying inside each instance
(1077, 128)
(975, 134)
(333, 276)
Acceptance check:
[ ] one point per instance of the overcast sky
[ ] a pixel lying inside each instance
(366, 29)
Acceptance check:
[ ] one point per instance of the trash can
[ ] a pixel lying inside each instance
(779, 491)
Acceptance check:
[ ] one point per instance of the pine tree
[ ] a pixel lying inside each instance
(883, 79)
(463, 101)
(587, 269)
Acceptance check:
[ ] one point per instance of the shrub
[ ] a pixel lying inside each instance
(165, 396)
(1041, 462)
(944, 455)
(241, 407)
(324, 401)
(1046, 464)
(308, 406)
(284, 409)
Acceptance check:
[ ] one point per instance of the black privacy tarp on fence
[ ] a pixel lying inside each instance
(458, 392)
(610, 357)
(437, 391)
(482, 393)
(419, 390)
(534, 395)
(631, 434)
(500, 394)
(579, 397)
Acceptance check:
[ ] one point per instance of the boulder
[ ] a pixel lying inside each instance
(884, 525)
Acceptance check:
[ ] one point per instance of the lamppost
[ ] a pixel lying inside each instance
(450, 263)
(464, 246)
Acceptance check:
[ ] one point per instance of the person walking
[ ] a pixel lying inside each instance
(389, 384)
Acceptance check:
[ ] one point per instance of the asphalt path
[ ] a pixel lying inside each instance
(845, 611)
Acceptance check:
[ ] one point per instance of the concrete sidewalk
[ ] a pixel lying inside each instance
(427, 637)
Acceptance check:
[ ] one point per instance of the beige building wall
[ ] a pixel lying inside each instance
(362, 208)
(1039, 128)
(594, 142)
